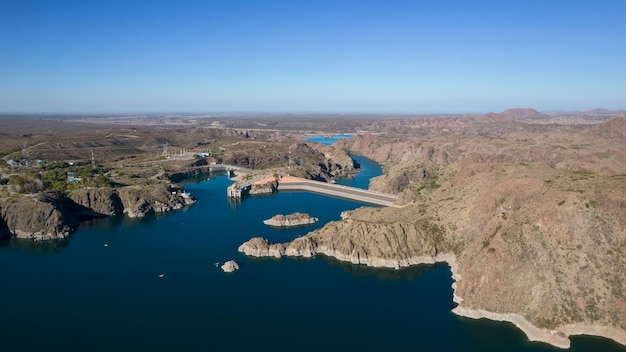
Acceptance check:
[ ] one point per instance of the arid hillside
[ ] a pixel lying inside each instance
(531, 217)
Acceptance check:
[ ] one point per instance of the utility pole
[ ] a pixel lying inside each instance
(289, 158)
(93, 160)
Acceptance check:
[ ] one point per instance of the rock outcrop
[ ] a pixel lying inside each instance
(55, 215)
(140, 201)
(134, 201)
(230, 266)
(291, 220)
(264, 188)
(307, 160)
(40, 217)
(100, 201)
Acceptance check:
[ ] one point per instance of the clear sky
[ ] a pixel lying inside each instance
(386, 56)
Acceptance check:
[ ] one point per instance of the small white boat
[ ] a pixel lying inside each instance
(161, 275)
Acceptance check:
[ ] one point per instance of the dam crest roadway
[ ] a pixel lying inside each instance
(291, 183)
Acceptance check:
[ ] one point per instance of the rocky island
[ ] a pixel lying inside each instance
(291, 220)
(230, 266)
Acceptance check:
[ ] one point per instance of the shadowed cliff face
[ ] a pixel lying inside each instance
(98, 201)
(54, 215)
(536, 223)
(4, 228)
(40, 217)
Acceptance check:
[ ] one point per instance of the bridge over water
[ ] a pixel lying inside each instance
(290, 183)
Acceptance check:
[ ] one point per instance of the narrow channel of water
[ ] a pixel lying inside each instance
(369, 168)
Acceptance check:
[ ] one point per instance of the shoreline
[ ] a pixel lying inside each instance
(558, 337)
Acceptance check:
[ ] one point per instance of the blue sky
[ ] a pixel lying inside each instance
(311, 56)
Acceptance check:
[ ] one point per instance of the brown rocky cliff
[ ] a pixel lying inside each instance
(100, 201)
(307, 160)
(139, 201)
(135, 201)
(54, 215)
(40, 217)
(382, 151)
(320, 162)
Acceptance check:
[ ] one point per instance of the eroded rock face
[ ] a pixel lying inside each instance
(291, 220)
(54, 215)
(260, 247)
(307, 160)
(102, 201)
(41, 217)
(141, 201)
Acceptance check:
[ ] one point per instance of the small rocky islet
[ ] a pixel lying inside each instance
(291, 220)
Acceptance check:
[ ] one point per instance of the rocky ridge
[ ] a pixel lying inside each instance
(56, 215)
(307, 160)
(40, 217)
(532, 225)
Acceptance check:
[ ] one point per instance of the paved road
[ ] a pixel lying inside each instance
(358, 194)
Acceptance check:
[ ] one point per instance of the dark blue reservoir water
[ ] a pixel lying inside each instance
(79, 295)
(369, 168)
(327, 139)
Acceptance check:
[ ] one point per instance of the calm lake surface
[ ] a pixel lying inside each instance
(77, 294)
